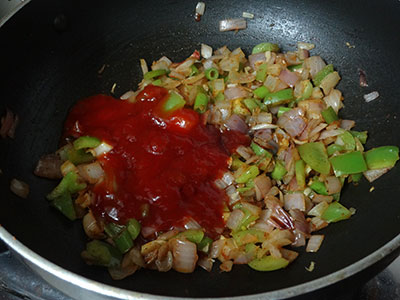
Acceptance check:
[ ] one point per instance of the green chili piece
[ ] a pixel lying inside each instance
(211, 73)
(201, 102)
(241, 237)
(243, 189)
(282, 110)
(261, 73)
(258, 150)
(133, 227)
(295, 67)
(155, 73)
(113, 229)
(361, 135)
(382, 157)
(300, 173)
(80, 156)
(194, 70)
(279, 171)
(335, 212)
(314, 154)
(65, 205)
(262, 106)
(103, 254)
(321, 74)
(157, 82)
(261, 91)
(329, 115)
(263, 163)
(263, 47)
(334, 148)
(123, 242)
(347, 141)
(174, 102)
(348, 163)
(204, 244)
(192, 235)
(250, 173)
(251, 104)
(68, 185)
(268, 263)
(86, 142)
(319, 187)
(278, 98)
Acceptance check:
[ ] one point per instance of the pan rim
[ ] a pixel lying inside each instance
(119, 293)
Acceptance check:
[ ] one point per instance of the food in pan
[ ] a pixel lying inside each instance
(216, 158)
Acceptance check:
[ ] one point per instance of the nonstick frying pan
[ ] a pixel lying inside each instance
(51, 51)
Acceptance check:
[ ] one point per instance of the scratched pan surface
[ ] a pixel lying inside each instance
(44, 72)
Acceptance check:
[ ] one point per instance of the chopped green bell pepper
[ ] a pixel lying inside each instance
(319, 187)
(329, 115)
(201, 102)
(123, 241)
(348, 163)
(86, 142)
(194, 70)
(155, 73)
(157, 82)
(204, 244)
(282, 110)
(382, 157)
(65, 205)
(261, 91)
(251, 104)
(241, 237)
(103, 254)
(279, 171)
(263, 47)
(174, 102)
(295, 67)
(334, 148)
(268, 263)
(361, 135)
(278, 98)
(347, 141)
(250, 173)
(192, 235)
(261, 73)
(113, 229)
(80, 156)
(260, 151)
(68, 185)
(322, 74)
(335, 212)
(314, 154)
(246, 221)
(133, 227)
(300, 173)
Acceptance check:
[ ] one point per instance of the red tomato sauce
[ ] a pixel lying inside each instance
(162, 164)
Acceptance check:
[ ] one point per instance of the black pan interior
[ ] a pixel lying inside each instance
(44, 71)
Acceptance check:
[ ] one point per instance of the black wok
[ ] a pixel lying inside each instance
(46, 68)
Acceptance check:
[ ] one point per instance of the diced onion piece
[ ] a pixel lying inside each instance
(254, 209)
(200, 8)
(311, 267)
(318, 209)
(235, 92)
(226, 266)
(185, 255)
(329, 82)
(293, 121)
(236, 123)
(347, 124)
(314, 64)
(206, 263)
(333, 185)
(334, 100)
(127, 95)
(206, 51)
(192, 224)
(234, 219)
(314, 243)
(372, 175)
(102, 149)
(306, 46)
(233, 194)
(19, 188)
(290, 78)
(228, 178)
(67, 167)
(371, 96)
(232, 24)
(143, 66)
(92, 172)
(262, 186)
(91, 227)
(294, 201)
(247, 15)
(48, 166)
